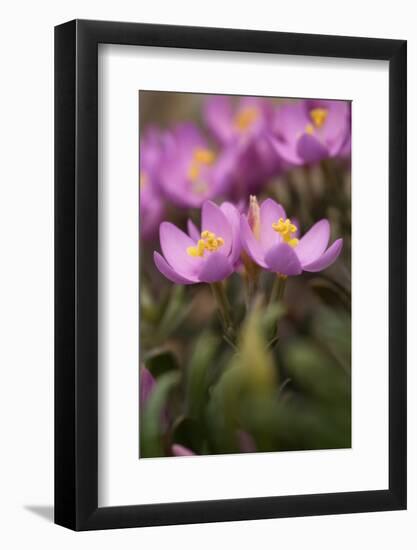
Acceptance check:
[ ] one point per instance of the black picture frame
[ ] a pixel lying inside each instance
(76, 272)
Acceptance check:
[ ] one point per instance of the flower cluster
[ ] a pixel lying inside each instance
(266, 375)
(265, 234)
(244, 145)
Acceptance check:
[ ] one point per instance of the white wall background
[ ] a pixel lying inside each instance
(26, 274)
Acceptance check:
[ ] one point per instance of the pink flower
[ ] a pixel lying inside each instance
(151, 206)
(248, 119)
(201, 257)
(311, 130)
(180, 450)
(190, 170)
(244, 127)
(275, 245)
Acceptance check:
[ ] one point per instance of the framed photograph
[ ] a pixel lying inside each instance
(230, 245)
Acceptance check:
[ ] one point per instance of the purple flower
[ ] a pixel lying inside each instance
(180, 450)
(230, 123)
(245, 127)
(311, 130)
(275, 246)
(151, 206)
(146, 386)
(191, 171)
(201, 257)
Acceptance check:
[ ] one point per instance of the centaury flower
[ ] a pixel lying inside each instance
(205, 256)
(191, 171)
(244, 128)
(311, 130)
(151, 205)
(274, 244)
(230, 122)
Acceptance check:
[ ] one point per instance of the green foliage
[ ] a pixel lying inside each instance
(160, 361)
(281, 373)
(154, 416)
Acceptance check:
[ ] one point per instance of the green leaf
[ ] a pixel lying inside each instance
(197, 374)
(248, 384)
(316, 374)
(152, 419)
(332, 329)
(270, 317)
(175, 312)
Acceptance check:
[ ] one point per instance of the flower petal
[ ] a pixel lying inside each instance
(146, 385)
(285, 150)
(270, 213)
(213, 219)
(168, 272)
(327, 258)
(193, 231)
(218, 116)
(281, 258)
(180, 450)
(314, 242)
(310, 149)
(215, 267)
(295, 222)
(232, 214)
(250, 244)
(174, 244)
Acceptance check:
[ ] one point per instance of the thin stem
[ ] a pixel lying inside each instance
(224, 309)
(283, 385)
(277, 294)
(278, 289)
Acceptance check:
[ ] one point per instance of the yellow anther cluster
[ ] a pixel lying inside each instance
(201, 157)
(204, 156)
(286, 229)
(318, 116)
(208, 242)
(245, 118)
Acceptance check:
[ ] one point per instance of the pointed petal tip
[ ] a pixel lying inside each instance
(168, 272)
(327, 258)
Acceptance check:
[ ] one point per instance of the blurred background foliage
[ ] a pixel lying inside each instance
(212, 398)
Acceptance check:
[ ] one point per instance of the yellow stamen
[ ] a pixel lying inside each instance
(309, 129)
(245, 118)
(193, 172)
(204, 156)
(318, 116)
(286, 229)
(208, 242)
(201, 157)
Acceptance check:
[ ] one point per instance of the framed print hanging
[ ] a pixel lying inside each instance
(230, 274)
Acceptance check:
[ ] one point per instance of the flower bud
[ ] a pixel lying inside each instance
(254, 218)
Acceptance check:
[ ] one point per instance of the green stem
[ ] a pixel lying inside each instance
(278, 289)
(224, 309)
(277, 294)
